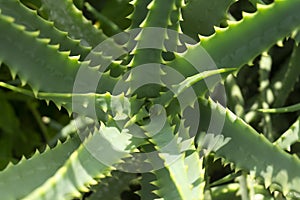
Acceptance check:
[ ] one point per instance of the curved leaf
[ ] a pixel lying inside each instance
(200, 16)
(227, 46)
(58, 71)
(30, 173)
(68, 18)
(85, 165)
(112, 187)
(278, 169)
(29, 18)
(290, 136)
(159, 15)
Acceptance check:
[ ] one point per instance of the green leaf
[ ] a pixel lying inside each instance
(58, 71)
(68, 18)
(148, 189)
(89, 162)
(174, 181)
(30, 174)
(139, 12)
(30, 19)
(228, 48)
(159, 15)
(190, 81)
(278, 169)
(290, 136)
(200, 16)
(112, 187)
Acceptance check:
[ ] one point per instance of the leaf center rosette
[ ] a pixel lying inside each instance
(151, 108)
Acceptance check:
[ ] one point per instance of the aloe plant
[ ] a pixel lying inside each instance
(125, 99)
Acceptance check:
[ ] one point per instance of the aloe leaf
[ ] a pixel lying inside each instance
(174, 181)
(171, 185)
(68, 18)
(174, 42)
(176, 17)
(57, 75)
(157, 10)
(290, 136)
(147, 50)
(58, 71)
(200, 16)
(112, 186)
(190, 81)
(33, 172)
(278, 169)
(139, 13)
(87, 163)
(179, 88)
(227, 50)
(147, 187)
(107, 105)
(33, 4)
(30, 19)
(252, 25)
(70, 129)
(182, 179)
(196, 173)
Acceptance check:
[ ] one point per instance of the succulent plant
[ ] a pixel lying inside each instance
(140, 79)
